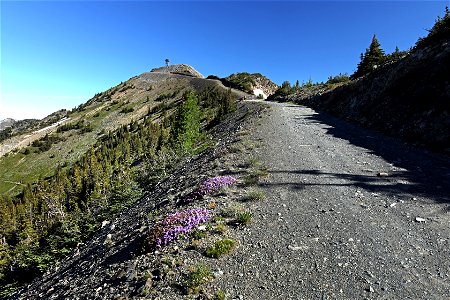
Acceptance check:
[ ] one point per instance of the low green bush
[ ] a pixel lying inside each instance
(220, 248)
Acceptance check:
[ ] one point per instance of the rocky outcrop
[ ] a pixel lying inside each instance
(407, 99)
(6, 123)
(179, 69)
(255, 84)
(263, 86)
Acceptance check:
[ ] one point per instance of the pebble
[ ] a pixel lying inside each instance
(296, 248)
(108, 239)
(218, 273)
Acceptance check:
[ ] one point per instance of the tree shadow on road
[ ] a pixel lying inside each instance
(424, 173)
(394, 184)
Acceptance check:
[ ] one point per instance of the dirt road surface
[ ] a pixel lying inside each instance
(349, 214)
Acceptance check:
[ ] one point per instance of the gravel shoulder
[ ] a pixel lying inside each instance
(348, 214)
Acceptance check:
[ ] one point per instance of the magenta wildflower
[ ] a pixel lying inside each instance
(214, 184)
(182, 222)
(209, 186)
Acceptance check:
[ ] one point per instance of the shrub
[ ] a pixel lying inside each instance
(166, 96)
(220, 228)
(255, 195)
(220, 295)
(198, 275)
(87, 128)
(126, 110)
(220, 248)
(338, 78)
(243, 218)
(251, 179)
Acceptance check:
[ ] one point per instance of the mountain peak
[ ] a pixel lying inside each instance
(181, 69)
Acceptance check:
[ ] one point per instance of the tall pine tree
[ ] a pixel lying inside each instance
(374, 56)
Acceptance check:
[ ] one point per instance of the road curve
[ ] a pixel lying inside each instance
(349, 214)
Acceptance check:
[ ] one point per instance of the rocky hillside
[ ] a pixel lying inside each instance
(8, 122)
(407, 99)
(253, 84)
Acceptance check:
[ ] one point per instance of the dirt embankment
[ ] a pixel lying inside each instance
(407, 99)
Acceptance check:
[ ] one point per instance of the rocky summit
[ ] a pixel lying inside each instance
(180, 69)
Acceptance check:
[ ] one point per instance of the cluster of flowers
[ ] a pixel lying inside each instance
(214, 184)
(178, 223)
(209, 186)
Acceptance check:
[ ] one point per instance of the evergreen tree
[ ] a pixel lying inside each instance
(373, 57)
(186, 129)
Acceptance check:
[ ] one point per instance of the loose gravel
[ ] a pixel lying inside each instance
(348, 214)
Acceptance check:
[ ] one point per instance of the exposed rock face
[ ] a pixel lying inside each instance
(263, 86)
(6, 123)
(180, 70)
(409, 99)
(255, 84)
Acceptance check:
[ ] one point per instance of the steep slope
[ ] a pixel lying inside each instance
(407, 99)
(106, 111)
(96, 161)
(112, 264)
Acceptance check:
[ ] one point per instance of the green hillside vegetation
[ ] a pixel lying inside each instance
(57, 190)
(105, 112)
(241, 81)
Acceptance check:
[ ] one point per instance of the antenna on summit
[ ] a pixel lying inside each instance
(167, 62)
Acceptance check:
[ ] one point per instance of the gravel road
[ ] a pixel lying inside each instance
(349, 214)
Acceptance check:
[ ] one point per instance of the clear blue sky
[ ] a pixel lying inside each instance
(59, 54)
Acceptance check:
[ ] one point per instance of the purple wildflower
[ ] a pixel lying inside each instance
(182, 222)
(214, 184)
(209, 186)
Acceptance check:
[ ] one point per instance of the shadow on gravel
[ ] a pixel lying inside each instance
(428, 173)
(370, 183)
